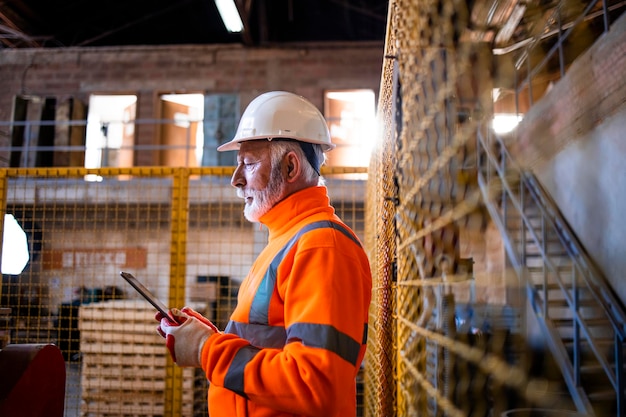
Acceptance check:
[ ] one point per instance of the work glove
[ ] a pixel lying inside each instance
(185, 332)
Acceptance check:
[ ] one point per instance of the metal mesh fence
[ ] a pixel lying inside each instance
(379, 392)
(447, 316)
(180, 231)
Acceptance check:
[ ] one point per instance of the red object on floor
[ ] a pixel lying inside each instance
(32, 382)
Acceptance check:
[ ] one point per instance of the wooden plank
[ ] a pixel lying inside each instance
(126, 327)
(110, 409)
(131, 383)
(99, 337)
(120, 384)
(122, 348)
(112, 390)
(125, 369)
(138, 311)
(124, 360)
(134, 373)
(154, 364)
(127, 410)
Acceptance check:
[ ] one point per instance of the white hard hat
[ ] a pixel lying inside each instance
(280, 114)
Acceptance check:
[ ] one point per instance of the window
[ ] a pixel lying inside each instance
(180, 133)
(110, 131)
(352, 122)
(194, 125)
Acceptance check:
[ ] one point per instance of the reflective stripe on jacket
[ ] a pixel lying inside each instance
(296, 339)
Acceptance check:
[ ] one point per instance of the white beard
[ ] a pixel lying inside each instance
(263, 200)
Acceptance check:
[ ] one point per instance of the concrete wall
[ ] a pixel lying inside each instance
(149, 72)
(573, 140)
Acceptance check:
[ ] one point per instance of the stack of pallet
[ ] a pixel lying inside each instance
(124, 362)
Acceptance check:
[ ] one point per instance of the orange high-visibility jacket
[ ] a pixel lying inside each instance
(296, 339)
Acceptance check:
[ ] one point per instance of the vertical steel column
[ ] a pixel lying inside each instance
(178, 250)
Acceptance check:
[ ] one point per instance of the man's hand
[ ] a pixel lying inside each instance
(185, 338)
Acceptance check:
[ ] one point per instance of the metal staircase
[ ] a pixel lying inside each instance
(582, 322)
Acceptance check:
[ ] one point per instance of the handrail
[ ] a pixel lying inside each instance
(592, 280)
(583, 261)
(575, 250)
(549, 209)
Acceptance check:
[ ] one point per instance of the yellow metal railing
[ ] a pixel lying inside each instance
(180, 230)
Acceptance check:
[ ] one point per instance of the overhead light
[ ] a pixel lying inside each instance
(230, 15)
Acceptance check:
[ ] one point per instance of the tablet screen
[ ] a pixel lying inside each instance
(145, 292)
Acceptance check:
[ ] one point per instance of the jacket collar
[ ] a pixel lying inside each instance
(290, 211)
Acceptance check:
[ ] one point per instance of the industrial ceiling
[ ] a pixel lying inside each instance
(79, 23)
(506, 25)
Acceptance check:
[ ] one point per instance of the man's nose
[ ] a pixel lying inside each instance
(237, 180)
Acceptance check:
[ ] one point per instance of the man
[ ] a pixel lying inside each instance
(295, 341)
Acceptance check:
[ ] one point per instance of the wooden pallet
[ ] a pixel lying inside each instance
(124, 362)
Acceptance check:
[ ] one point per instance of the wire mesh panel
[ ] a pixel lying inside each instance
(179, 231)
(84, 228)
(458, 344)
(380, 387)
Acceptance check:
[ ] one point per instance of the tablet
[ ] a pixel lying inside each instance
(145, 293)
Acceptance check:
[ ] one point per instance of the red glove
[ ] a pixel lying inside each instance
(190, 330)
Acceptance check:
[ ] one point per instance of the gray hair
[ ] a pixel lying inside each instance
(280, 147)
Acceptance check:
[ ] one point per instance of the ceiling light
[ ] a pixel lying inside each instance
(230, 15)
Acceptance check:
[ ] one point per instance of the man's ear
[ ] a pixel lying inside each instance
(293, 166)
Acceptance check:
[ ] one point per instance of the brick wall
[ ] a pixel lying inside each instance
(592, 91)
(151, 71)
(573, 141)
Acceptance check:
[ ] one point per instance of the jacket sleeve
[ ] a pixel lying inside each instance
(325, 287)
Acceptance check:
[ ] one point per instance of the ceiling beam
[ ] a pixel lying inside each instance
(244, 7)
(12, 37)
